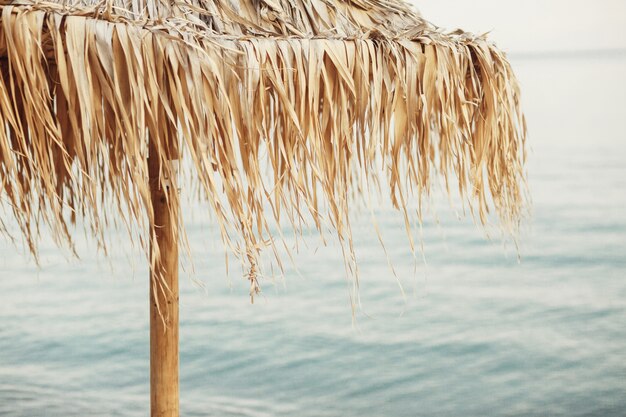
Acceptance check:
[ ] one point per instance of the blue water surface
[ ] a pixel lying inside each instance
(472, 332)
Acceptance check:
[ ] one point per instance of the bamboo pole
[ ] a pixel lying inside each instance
(164, 397)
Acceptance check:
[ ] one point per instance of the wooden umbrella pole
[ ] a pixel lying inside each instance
(164, 301)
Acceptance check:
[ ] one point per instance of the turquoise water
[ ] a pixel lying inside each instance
(477, 334)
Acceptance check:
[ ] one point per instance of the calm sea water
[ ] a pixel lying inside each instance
(477, 334)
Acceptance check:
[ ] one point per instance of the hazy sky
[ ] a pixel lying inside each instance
(535, 25)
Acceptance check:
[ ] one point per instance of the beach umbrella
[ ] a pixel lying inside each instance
(278, 114)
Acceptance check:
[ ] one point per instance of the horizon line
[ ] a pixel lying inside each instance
(568, 53)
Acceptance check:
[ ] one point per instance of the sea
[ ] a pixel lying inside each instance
(469, 325)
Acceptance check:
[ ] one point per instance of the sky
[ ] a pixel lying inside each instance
(523, 26)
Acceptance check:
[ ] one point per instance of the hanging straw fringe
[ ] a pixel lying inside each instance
(82, 91)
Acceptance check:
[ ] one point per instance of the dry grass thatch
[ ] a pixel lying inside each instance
(329, 96)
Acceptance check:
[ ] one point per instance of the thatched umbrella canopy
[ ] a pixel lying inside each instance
(280, 109)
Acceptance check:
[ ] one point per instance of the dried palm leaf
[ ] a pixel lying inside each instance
(329, 97)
